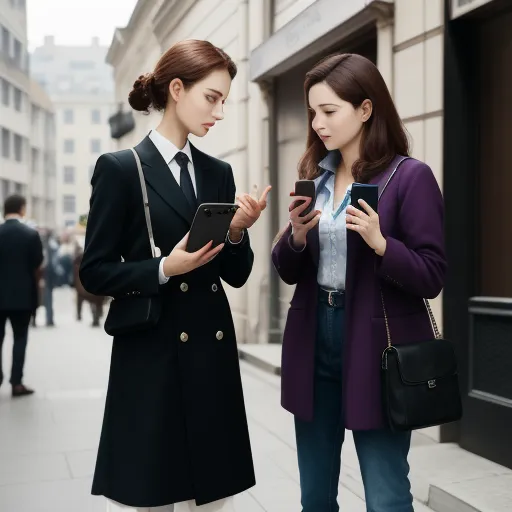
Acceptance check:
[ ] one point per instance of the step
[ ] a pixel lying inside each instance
(488, 494)
(444, 477)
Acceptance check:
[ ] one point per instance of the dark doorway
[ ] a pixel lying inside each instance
(478, 188)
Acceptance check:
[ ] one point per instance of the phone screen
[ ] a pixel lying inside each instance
(305, 188)
(367, 192)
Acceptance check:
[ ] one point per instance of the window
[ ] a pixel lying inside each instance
(18, 53)
(34, 163)
(5, 189)
(6, 143)
(18, 148)
(69, 175)
(95, 146)
(69, 204)
(18, 188)
(17, 99)
(95, 116)
(69, 146)
(69, 116)
(35, 115)
(6, 41)
(6, 89)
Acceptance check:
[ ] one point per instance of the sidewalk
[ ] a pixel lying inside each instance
(48, 441)
(444, 476)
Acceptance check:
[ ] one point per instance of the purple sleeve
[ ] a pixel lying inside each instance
(417, 262)
(287, 261)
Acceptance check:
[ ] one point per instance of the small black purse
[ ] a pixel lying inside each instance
(133, 313)
(420, 384)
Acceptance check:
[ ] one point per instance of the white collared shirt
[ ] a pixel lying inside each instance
(168, 151)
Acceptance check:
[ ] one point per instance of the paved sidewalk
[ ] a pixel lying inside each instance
(443, 475)
(48, 442)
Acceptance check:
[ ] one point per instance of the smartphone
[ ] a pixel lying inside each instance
(211, 222)
(370, 193)
(305, 188)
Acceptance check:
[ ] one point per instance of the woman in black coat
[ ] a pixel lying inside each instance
(175, 427)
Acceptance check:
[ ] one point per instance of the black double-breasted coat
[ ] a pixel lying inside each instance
(175, 426)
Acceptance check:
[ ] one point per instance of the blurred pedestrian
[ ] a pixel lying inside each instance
(21, 255)
(82, 295)
(52, 274)
(65, 257)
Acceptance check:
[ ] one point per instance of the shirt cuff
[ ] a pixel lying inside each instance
(239, 241)
(162, 278)
(290, 243)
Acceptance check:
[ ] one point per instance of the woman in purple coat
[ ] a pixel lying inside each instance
(341, 258)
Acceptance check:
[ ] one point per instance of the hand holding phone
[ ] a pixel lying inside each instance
(303, 216)
(305, 188)
(367, 192)
(366, 222)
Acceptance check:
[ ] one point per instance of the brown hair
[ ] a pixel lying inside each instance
(354, 78)
(190, 61)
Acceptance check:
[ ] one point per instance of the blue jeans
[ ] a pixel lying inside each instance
(48, 303)
(382, 454)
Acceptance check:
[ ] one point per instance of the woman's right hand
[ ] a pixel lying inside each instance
(302, 225)
(180, 261)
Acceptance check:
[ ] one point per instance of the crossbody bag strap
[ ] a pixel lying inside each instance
(155, 251)
(382, 187)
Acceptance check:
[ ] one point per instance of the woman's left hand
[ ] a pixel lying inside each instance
(367, 225)
(249, 210)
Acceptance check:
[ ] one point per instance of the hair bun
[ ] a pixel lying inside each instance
(140, 97)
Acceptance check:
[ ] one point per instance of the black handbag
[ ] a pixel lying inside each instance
(133, 313)
(420, 384)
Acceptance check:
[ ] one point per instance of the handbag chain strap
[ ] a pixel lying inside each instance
(154, 250)
(437, 333)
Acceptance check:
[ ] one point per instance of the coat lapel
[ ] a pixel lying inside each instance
(206, 182)
(159, 177)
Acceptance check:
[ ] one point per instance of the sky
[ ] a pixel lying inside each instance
(76, 23)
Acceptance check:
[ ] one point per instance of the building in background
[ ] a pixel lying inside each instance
(41, 186)
(14, 99)
(81, 87)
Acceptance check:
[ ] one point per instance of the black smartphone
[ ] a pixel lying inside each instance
(211, 222)
(305, 188)
(370, 193)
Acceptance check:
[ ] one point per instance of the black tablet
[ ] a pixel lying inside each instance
(211, 222)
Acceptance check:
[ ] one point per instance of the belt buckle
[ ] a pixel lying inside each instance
(329, 299)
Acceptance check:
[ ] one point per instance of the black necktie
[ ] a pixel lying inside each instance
(186, 180)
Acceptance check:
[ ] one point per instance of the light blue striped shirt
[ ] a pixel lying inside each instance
(332, 266)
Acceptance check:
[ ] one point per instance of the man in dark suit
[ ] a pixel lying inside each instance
(21, 255)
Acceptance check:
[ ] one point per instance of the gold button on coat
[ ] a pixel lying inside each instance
(214, 287)
(184, 287)
(219, 335)
(184, 336)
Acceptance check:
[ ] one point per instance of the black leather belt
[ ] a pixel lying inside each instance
(334, 299)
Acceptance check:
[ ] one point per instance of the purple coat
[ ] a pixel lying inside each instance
(413, 267)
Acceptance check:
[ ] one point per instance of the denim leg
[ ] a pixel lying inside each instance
(319, 442)
(383, 460)
(48, 304)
